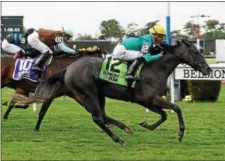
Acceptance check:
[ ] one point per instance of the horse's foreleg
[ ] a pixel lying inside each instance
(155, 125)
(42, 113)
(161, 103)
(22, 92)
(13, 104)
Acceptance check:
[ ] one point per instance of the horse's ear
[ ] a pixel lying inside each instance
(188, 44)
(178, 43)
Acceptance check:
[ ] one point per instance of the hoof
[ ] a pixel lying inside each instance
(111, 126)
(5, 103)
(143, 124)
(151, 128)
(36, 129)
(124, 143)
(180, 139)
(5, 117)
(128, 131)
(25, 107)
(180, 136)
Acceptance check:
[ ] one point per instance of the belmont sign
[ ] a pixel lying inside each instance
(184, 72)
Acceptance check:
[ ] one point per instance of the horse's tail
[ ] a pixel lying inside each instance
(45, 90)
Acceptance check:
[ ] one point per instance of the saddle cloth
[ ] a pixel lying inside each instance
(114, 71)
(23, 70)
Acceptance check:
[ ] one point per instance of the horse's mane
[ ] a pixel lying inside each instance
(165, 60)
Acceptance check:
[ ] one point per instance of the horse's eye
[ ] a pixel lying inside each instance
(197, 52)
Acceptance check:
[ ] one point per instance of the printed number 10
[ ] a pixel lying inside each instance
(25, 64)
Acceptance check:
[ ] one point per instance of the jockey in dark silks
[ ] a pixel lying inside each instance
(11, 44)
(139, 49)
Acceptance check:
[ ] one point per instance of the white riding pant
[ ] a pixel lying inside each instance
(10, 48)
(33, 40)
(121, 53)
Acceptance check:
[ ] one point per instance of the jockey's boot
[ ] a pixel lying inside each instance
(41, 60)
(131, 73)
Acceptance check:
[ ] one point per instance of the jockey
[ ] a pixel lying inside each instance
(11, 44)
(138, 49)
(46, 41)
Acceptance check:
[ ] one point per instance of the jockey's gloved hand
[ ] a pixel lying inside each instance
(28, 53)
(159, 46)
(163, 53)
(165, 46)
(75, 52)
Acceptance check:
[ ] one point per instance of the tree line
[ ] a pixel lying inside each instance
(111, 29)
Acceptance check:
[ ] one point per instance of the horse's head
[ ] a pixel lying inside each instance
(190, 55)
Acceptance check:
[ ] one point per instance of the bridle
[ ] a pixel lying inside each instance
(197, 63)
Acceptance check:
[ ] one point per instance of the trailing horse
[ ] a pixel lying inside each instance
(25, 86)
(82, 79)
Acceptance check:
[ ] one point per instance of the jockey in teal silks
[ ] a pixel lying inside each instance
(138, 49)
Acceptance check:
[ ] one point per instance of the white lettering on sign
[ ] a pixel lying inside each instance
(188, 73)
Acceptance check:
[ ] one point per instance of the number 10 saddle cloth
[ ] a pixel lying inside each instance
(23, 70)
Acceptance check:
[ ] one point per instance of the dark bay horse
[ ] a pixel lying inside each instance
(25, 86)
(82, 79)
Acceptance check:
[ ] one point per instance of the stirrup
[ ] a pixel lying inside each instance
(131, 77)
(37, 68)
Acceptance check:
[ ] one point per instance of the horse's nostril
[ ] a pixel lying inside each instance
(209, 70)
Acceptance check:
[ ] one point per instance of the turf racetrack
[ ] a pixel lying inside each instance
(68, 133)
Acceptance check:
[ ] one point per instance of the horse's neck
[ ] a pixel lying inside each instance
(62, 62)
(58, 64)
(164, 66)
(171, 62)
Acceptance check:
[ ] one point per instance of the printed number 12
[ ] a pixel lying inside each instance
(108, 63)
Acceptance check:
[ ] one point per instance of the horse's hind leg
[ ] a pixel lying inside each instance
(109, 120)
(118, 124)
(98, 119)
(91, 103)
(159, 122)
(42, 113)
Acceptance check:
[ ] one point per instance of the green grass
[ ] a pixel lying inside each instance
(68, 133)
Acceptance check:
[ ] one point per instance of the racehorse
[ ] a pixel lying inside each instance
(18, 91)
(24, 86)
(82, 79)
